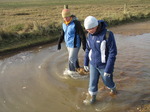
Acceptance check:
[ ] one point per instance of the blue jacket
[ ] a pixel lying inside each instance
(70, 36)
(73, 35)
(101, 52)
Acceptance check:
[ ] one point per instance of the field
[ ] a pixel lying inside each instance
(37, 21)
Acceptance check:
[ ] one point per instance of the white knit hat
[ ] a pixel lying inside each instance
(90, 22)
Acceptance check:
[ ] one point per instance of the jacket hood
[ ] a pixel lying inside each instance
(101, 26)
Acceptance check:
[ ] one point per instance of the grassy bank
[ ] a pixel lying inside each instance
(34, 22)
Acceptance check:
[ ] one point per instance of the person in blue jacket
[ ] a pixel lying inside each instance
(100, 55)
(73, 35)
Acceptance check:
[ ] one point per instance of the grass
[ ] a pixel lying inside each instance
(31, 22)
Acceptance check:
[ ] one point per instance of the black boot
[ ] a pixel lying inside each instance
(93, 99)
(113, 92)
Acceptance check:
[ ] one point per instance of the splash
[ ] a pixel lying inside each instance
(75, 75)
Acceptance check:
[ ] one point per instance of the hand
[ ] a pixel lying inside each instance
(86, 68)
(106, 74)
(59, 47)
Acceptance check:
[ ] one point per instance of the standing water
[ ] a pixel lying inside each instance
(33, 81)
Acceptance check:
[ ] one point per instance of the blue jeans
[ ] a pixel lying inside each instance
(73, 58)
(95, 73)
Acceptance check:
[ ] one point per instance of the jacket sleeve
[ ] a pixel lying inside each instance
(112, 52)
(61, 38)
(86, 56)
(82, 35)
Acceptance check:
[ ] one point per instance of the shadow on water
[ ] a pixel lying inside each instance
(33, 81)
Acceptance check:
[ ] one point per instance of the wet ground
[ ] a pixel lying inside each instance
(33, 80)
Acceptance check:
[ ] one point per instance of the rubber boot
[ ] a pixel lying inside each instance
(113, 92)
(93, 99)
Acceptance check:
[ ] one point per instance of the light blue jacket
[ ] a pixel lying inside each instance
(73, 34)
(71, 38)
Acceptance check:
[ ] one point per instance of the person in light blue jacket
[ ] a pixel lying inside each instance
(73, 35)
(100, 55)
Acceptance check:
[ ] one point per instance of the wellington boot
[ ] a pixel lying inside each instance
(93, 99)
(89, 99)
(113, 92)
(81, 71)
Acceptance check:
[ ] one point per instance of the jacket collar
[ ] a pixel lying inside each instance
(68, 21)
